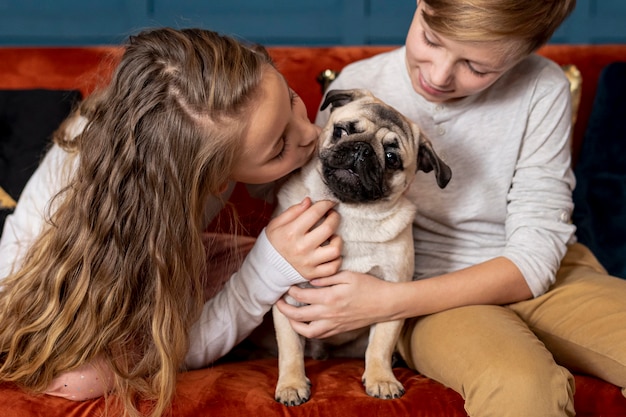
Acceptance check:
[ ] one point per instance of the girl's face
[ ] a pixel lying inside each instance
(442, 69)
(280, 137)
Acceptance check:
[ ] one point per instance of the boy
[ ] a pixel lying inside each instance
(511, 299)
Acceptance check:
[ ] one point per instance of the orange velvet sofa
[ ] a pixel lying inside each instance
(246, 388)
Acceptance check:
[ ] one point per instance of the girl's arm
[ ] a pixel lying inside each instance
(23, 226)
(287, 252)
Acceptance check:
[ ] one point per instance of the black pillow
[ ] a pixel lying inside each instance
(600, 194)
(27, 120)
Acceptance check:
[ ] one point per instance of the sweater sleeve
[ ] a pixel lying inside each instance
(538, 225)
(239, 307)
(23, 226)
(36, 201)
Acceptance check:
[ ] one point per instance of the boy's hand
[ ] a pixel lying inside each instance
(313, 249)
(339, 303)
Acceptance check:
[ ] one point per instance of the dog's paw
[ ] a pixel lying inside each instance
(383, 388)
(296, 393)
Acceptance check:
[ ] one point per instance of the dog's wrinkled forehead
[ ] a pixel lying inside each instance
(371, 116)
(358, 107)
(385, 116)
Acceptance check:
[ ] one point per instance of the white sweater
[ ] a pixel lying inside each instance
(508, 148)
(226, 319)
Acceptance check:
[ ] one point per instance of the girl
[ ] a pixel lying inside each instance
(104, 258)
(511, 301)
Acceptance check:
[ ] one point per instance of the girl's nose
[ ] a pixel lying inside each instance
(311, 134)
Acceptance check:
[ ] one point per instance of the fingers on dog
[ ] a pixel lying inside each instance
(323, 232)
(326, 268)
(292, 213)
(322, 211)
(301, 295)
(334, 248)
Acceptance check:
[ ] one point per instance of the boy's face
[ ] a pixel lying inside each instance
(442, 69)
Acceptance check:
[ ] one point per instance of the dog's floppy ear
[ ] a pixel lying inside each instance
(427, 160)
(338, 98)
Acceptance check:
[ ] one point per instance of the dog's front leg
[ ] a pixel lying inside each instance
(378, 377)
(293, 387)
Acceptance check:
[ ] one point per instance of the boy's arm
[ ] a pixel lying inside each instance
(346, 300)
(538, 225)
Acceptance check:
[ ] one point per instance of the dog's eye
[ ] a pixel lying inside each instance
(339, 132)
(392, 161)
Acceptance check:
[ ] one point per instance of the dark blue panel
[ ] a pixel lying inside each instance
(272, 22)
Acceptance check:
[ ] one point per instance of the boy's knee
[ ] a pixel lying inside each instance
(521, 391)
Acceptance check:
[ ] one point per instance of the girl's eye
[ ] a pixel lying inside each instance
(293, 97)
(280, 154)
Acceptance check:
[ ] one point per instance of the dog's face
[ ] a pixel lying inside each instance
(369, 151)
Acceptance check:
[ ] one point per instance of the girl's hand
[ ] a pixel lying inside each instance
(313, 249)
(342, 302)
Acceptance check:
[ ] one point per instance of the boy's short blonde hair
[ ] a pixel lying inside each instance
(532, 22)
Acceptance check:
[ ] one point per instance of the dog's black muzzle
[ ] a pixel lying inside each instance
(353, 173)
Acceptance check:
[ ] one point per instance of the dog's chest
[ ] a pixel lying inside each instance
(391, 260)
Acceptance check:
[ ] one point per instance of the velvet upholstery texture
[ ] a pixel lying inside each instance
(246, 388)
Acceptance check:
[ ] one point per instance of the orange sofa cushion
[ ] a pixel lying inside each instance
(247, 389)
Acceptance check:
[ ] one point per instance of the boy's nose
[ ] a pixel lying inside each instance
(440, 75)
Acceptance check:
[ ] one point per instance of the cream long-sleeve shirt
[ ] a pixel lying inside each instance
(508, 148)
(226, 319)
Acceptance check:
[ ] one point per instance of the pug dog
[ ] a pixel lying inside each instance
(368, 155)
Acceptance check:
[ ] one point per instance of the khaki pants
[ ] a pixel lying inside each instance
(513, 360)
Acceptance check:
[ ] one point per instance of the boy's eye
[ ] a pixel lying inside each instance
(427, 41)
(473, 71)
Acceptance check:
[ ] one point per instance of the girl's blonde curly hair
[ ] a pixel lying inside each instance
(116, 273)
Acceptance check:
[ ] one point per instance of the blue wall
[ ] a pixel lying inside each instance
(271, 22)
